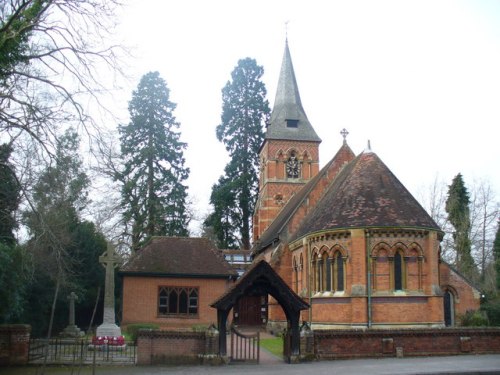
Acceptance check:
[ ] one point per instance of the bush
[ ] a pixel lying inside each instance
(473, 318)
(133, 329)
(492, 310)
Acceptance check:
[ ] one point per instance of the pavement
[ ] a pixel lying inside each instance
(464, 364)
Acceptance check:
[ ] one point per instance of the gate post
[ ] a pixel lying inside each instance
(306, 342)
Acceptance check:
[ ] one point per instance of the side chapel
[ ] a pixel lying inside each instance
(349, 239)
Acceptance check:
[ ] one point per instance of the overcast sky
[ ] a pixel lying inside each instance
(419, 79)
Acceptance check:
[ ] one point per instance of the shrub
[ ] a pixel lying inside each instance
(133, 329)
(492, 310)
(473, 318)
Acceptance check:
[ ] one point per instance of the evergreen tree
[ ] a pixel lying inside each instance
(11, 260)
(220, 222)
(153, 192)
(58, 197)
(245, 110)
(457, 207)
(496, 257)
(9, 197)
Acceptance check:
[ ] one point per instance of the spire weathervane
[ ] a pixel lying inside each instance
(344, 133)
(286, 30)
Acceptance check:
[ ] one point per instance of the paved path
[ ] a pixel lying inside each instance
(470, 364)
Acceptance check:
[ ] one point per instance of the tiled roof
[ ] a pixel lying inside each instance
(288, 106)
(182, 256)
(366, 194)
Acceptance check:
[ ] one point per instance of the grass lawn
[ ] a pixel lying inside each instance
(274, 345)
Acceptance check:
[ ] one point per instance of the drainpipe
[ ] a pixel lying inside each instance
(368, 279)
(309, 290)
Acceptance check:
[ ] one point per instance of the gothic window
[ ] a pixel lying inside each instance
(338, 272)
(177, 301)
(295, 276)
(327, 264)
(301, 270)
(398, 271)
(320, 274)
(315, 272)
(449, 313)
(292, 166)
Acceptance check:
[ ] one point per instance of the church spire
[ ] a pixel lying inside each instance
(288, 118)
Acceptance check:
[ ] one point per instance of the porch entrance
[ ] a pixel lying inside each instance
(250, 311)
(259, 281)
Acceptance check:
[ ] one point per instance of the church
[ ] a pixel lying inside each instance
(348, 238)
(344, 246)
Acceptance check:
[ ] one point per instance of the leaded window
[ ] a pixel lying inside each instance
(181, 301)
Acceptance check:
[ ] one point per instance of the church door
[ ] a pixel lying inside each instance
(251, 311)
(448, 309)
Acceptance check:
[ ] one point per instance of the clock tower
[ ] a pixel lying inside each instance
(289, 155)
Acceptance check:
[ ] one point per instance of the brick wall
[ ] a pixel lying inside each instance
(465, 296)
(140, 300)
(170, 347)
(14, 344)
(334, 344)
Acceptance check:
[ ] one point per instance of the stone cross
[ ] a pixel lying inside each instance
(72, 298)
(344, 133)
(72, 330)
(110, 260)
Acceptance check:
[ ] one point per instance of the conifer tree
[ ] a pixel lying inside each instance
(496, 257)
(457, 207)
(245, 110)
(11, 273)
(9, 196)
(153, 192)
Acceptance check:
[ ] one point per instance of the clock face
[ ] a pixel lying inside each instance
(292, 168)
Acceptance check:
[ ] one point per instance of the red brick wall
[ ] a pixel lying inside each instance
(465, 296)
(140, 300)
(14, 344)
(164, 347)
(335, 344)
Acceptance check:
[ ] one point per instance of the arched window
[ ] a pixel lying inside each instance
(449, 309)
(327, 273)
(301, 270)
(321, 275)
(398, 271)
(315, 273)
(295, 276)
(292, 166)
(338, 272)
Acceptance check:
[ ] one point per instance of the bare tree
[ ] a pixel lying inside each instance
(485, 210)
(55, 62)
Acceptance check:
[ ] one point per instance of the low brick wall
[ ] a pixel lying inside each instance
(14, 344)
(170, 347)
(333, 344)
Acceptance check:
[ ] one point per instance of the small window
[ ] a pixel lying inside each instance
(398, 271)
(239, 258)
(292, 123)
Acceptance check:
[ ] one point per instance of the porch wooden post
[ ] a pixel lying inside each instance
(295, 339)
(221, 322)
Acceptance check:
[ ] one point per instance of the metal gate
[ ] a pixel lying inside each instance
(245, 347)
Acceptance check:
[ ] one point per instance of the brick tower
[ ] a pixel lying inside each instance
(289, 155)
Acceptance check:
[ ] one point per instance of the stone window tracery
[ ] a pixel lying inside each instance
(177, 301)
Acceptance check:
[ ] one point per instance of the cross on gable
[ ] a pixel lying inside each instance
(344, 133)
(109, 257)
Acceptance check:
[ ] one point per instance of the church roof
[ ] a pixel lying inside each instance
(178, 257)
(366, 194)
(288, 106)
